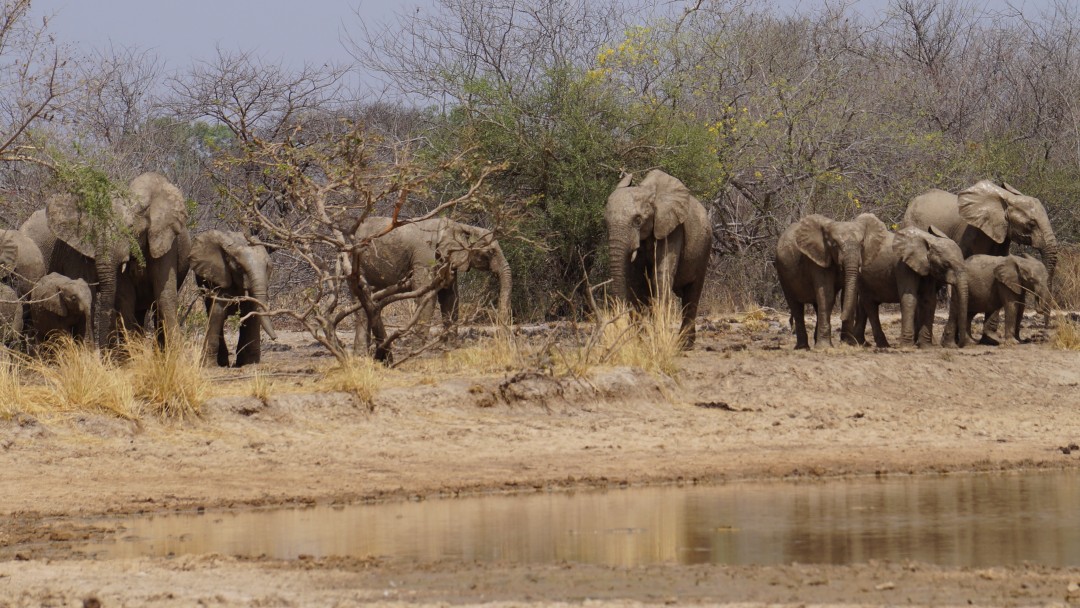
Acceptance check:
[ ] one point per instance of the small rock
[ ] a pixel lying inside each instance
(886, 586)
(1073, 589)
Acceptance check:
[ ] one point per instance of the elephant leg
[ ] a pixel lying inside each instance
(1018, 318)
(215, 348)
(872, 310)
(825, 296)
(909, 302)
(165, 287)
(798, 318)
(927, 306)
(991, 321)
(1013, 311)
(691, 296)
(448, 307)
(249, 345)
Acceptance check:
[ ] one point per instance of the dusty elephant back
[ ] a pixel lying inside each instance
(393, 255)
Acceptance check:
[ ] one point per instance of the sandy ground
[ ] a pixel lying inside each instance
(743, 406)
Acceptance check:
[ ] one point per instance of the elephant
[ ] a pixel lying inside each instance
(985, 218)
(908, 267)
(21, 262)
(659, 242)
(11, 316)
(150, 221)
(59, 304)
(815, 257)
(235, 275)
(998, 282)
(414, 251)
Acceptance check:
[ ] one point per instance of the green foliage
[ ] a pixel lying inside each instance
(94, 194)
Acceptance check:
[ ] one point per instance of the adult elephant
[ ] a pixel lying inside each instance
(908, 267)
(146, 221)
(985, 218)
(659, 241)
(235, 275)
(21, 262)
(815, 258)
(415, 251)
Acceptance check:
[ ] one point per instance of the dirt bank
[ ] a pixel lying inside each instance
(743, 406)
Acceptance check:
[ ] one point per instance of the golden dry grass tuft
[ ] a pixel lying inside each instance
(649, 339)
(1067, 278)
(76, 378)
(13, 396)
(360, 376)
(502, 351)
(169, 380)
(1067, 335)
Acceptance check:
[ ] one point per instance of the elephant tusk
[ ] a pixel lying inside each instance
(633, 256)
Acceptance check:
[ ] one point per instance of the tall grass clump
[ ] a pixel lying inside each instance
(359, 376)
(1067, 336)
(169, 380)
(1067, 278)
(649, 339)
(13, 399)
(79, 379)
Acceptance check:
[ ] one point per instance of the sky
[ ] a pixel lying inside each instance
(288, 31)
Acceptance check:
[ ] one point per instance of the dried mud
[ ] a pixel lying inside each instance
(744, 406)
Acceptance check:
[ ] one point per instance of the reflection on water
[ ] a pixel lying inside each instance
(979, 520)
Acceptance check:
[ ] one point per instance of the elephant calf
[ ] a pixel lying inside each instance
(997, 282)
(235, 275)
(60, 304)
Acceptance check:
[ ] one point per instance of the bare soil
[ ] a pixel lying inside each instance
(743, 406)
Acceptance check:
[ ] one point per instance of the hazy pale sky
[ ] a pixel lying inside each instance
(296, 31)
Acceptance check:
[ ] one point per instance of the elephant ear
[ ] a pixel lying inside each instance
(163, 206)
(671, 199)
(48, 294)
(983, 206)
(70, 223)
(874, 235)
(810, 239)
(1008, 274)
(208, 251)
(9, 254)
(912, 248)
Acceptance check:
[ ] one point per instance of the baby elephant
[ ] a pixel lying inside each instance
(1001, 282)
(59, 304)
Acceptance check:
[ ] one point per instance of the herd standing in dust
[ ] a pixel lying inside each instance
(63, 274)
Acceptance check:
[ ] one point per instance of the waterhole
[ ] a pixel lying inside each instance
(977, 520)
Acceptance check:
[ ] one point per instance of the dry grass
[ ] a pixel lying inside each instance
(1067, 336)
(13, 397)
(169, 381)
(1067, 278)
(261, 386)
(649, 339)
(360, 376)
(76, 378)
(504, 351)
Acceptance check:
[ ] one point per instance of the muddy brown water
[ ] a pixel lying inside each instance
(976, 520)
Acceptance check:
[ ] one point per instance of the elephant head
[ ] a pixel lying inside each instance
(937, 256)
(67, 299)
(147, 220)
(1026, 274)
(226, 262)
(1001, 212)
(845, 245)
(469, 247)
(650, 211)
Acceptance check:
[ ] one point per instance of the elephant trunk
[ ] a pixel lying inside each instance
(619, 259)
(959, 304)
(506, 282)
(258, 291)
(852, 260)
(104, 304)
(1050, 257)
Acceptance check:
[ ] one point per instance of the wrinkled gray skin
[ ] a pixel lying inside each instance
(909, 266)
(985, 218)
(235, 275)
(11, 316)
(815, 258)
(415, 251)
(21, 263)
(659, 238)
(59, 304)
(998, 282)
(154, 215)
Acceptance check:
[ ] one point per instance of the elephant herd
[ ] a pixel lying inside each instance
(62, 272)
(959, 240)
(67, 271)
